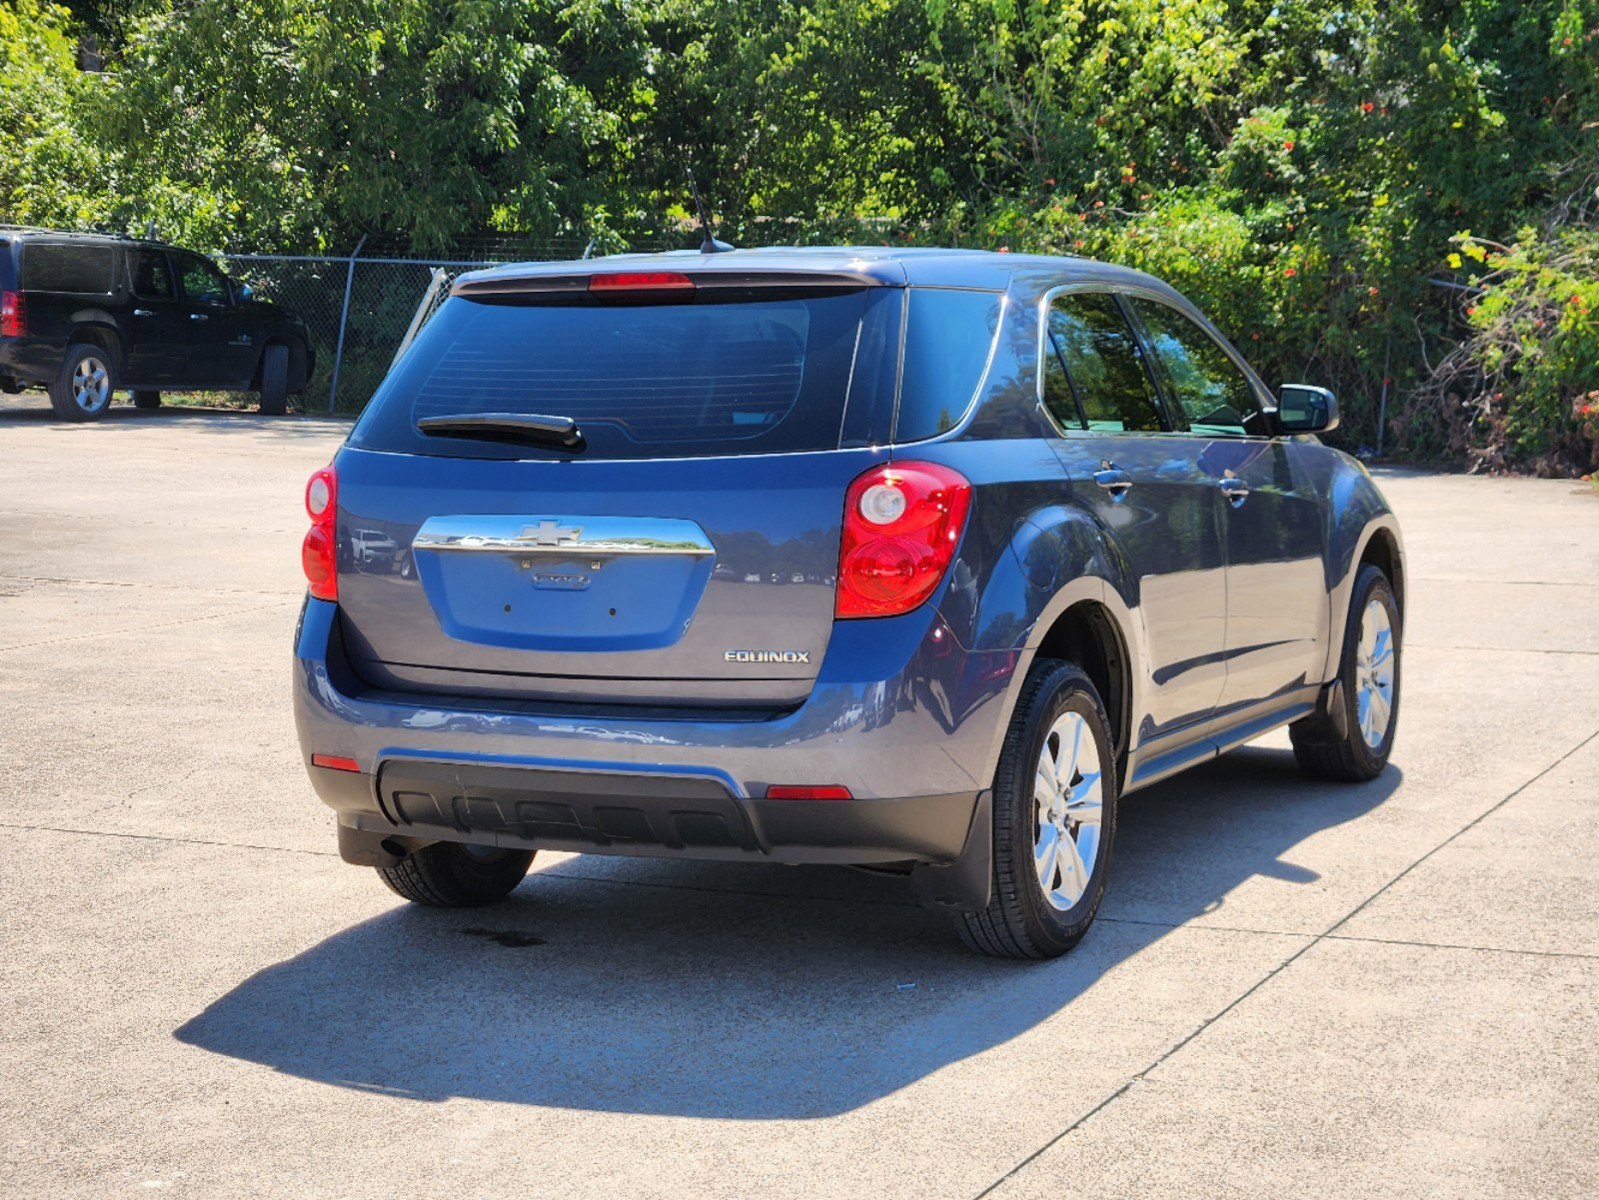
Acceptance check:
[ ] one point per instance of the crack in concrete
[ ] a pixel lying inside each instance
(1313, 940)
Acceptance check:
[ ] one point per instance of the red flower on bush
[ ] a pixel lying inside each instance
(1290, 272)
(1367, 106)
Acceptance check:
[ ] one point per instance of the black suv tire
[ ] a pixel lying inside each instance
(146, 398)
(1020, 920)
(84, 362)
(275, 380)
(1329, 748)
(448, 875)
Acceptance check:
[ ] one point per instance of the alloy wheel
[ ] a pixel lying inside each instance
(1374, 673)
(1069, 801)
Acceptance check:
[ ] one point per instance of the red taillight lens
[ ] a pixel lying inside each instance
(642, 285)
(784, 791)
(13, 319)
(319, 553)
(902, 522)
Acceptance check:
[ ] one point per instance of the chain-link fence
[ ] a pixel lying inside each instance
(358, 311)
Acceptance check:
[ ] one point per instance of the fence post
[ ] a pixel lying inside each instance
(344, 319)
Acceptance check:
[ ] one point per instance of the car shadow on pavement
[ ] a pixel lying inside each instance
(736, 991)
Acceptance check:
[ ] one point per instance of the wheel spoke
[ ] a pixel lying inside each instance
(1084, 803)
(1045, 853)
(1073, 871)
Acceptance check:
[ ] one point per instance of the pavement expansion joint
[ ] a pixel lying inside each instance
(1330, 933)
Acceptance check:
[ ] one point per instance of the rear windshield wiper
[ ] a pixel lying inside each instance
(533, 429)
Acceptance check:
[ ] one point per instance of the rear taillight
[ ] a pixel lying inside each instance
(902, 522)
(13, 317)
(319, 554)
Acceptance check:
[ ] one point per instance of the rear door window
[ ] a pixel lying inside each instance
(712, 377)
(1094, 376)
(151, 275)
(81, 269)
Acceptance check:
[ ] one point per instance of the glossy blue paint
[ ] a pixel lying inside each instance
(1226, 616)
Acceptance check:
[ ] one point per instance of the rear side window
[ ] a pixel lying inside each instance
(1094, 376)
(949, 339)
(747, 376)
(80, 269)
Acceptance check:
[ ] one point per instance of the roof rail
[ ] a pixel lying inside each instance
(71, 233)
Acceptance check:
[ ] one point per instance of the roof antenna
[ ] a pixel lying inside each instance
(710, 245)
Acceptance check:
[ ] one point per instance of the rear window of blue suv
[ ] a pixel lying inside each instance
(762, 373)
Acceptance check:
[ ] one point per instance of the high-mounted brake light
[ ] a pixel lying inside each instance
(658, 285)
(902, 522)
(13, 318)
(319, 553)
(785, 791)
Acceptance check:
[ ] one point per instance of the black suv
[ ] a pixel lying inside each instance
(85, 314)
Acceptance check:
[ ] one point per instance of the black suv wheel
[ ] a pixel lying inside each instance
(81, 390)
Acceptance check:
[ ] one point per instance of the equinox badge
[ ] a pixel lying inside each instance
(767, 656)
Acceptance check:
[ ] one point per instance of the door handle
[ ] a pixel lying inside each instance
(1113, 479)
(1236, 490)
(198, 317)
(143, 312)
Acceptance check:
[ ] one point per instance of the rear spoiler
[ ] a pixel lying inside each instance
(507, 282)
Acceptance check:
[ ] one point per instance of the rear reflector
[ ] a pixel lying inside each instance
(334, 763)
(782, 791)
(13, 320)
(659, 284)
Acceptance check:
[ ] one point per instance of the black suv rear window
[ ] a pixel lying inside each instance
(84, 269)
(752, 376)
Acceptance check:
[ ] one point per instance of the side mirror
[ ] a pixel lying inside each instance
(1305, 409)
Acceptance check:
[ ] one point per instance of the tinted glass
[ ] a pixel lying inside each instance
(83, 269)
(202, 282)
(948, 340)
(642, 381)
(1099, 358)
(152, 275)
(1213, 394)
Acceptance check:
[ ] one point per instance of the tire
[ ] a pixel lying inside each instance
(146, 398)
(1353, 745)
(275, 380)
(448, 875)
(82, 389)
(1022, 920)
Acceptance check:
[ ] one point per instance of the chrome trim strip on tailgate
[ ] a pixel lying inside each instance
(596, 537)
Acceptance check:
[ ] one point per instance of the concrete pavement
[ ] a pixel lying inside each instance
(1388, 990)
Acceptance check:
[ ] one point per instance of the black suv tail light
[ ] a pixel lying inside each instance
(13, 319)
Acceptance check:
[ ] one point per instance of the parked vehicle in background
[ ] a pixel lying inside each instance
(917, 560)
(86, 314)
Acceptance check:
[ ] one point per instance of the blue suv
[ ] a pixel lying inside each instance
(917, 560)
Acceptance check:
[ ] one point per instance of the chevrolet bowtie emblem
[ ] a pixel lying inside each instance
(550, 533)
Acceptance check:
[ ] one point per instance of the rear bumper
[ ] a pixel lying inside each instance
(914, 746)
